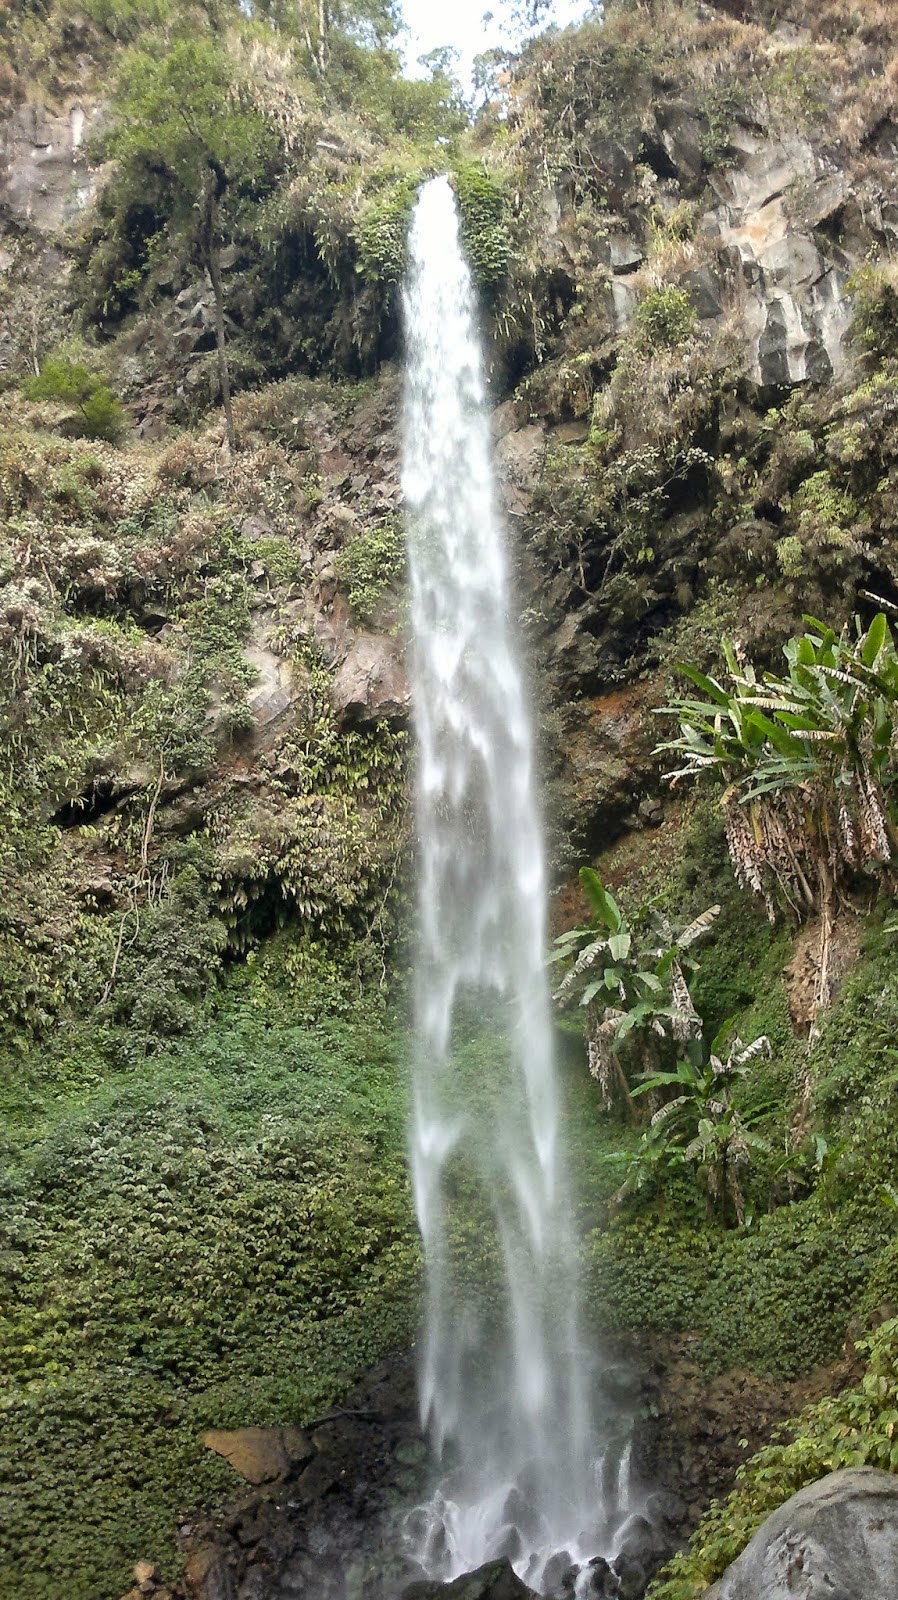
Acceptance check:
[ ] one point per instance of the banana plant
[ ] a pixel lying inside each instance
(631, 977)
(700, 1126)
(806, 760)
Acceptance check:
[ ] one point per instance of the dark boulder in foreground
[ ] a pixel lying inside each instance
(496, 1581)
(835, 1540)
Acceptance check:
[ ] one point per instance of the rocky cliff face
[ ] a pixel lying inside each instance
(47, 178)
(694, 244)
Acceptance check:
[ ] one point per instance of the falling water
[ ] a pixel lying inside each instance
(504, 1382)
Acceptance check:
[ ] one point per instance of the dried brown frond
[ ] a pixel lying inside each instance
(699, 927)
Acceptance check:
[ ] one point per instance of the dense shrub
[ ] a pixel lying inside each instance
(484, 231)
(97, 413)
(875, 295)
(665, 317)
(373, 559)
(381, 233)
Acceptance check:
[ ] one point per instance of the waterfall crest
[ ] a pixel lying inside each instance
(504, 1380)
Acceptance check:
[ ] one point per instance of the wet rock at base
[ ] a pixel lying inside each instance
(835, 1540)
(641, 1552)
(496, 1581)
(596, 1581)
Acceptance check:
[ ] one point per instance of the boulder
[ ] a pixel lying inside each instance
(208, 1575)
(275, 689)
(608, 745)
(260, 1454)
(496, 1581)
(371, 685)
(835, 1540)
(705, 292)
(147, 1583)
(682, 135)
(641, 1550)
(625, 254)
(596, 1580)
(520, 453)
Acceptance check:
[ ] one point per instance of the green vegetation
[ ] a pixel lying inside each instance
(817, 1242)
(381, 233)
(208, 1234)
(875, 296)
(484, 231)
(179, 108)
(109, 727)
(701, 1126)
(631, 977)
(854, 1429)
(381, 230)
(373, 559)
(805, 761)
(807, 764)
(665, 317)
(98, 413)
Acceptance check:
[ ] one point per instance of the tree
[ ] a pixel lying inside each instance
(182, 111)
(130, 21)
(520, 18)
(96, 413)
(371, 23)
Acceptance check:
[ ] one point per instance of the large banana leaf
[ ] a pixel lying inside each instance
(603, 903)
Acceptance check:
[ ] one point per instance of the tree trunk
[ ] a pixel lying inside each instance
(216, 185)
(224, 376)
(324, 27)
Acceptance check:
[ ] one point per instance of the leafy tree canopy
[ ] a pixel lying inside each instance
(185, 110)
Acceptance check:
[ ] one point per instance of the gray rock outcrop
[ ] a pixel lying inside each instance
(45, 175)
(789, 291)
(835, 1540)
(371, 683)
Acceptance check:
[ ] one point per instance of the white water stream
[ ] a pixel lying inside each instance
(505, 1382)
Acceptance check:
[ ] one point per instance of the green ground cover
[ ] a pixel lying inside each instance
(214, 1232)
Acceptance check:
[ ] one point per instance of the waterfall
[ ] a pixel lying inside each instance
(504, 1380)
